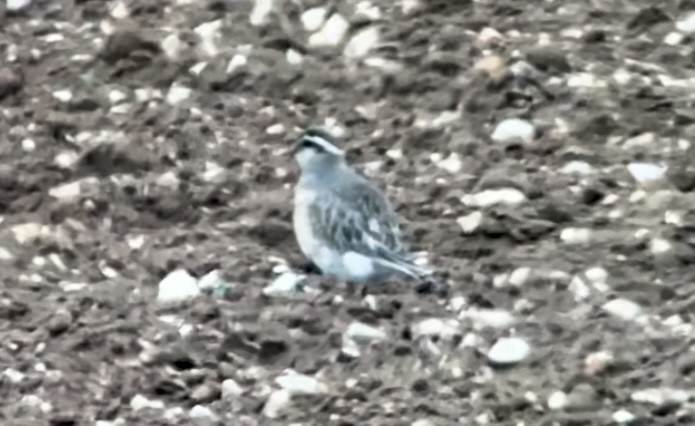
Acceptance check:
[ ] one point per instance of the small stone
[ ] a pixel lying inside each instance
(314, 18)
(139, 402)
(431, 327)
(508, 351)
(205, 393)
(13, 375)
(332, 33)
(597, 362)
(492, 197)
(11, 81)
(276, 403)
(300, 384)
(489, 318)
(17, 5)
(660, 246)
(64, 95)
(173, 46)
(661, 396)
(5, 254)
(28, 233)
(577, 168)
(488, 36)
(117, 96)
(209, 33)
(362, 43)
(34, 401)
(519, 276)
(178, 94)
(275, 129)
(493, 67)
(673, 38)
(642, 140)
(288, 284)
(557, 400)
(178, 286)
(575, 235)
(238, 61)
(514, 129)
(584, 80)
(201, 412)
(260, 15)
(548, 58)
(362, 332)
(66, 191)
(231, 389)
(470, 222)
(213, 283)
(623, 417)
(582, 398)
(120, 10)
(623, 309)
(646, 172)
(687, 24)
(294, 57)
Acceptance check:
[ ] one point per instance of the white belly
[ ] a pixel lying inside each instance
(348, 266)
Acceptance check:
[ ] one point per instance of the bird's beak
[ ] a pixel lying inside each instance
(295, 148)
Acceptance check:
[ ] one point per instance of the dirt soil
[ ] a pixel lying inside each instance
(114, 174)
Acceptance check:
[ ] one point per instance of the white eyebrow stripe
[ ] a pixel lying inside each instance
(329, 147)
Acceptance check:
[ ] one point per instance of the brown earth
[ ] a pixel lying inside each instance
(78, 312)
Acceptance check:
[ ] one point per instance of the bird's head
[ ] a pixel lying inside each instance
(318, 149)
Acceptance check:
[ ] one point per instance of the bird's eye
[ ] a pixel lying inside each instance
(308, 144)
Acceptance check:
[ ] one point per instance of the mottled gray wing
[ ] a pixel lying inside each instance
(359, 219)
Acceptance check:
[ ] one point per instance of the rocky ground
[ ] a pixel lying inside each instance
(540, 152)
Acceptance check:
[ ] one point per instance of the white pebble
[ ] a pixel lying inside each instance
(557, 400)
(300, 384)
(623, 416)
(173, 46)
(491, 197)
(597, 275)
(514, 129)
(66, 191)
(260, 15)
(489, 318)
(437, 327)
(687, 24)
(519, 276)
(659, 246)
(509, 350)
(660, 396)
(5, 254)
(231, 389)
(470, 222)
(13, 375)
(578, 168)
(64, 95)
(201, 412)
(28, 145)
(178, 286)
(27, 233)
(36, 402)
(623, 309)
(211, 281)
(209, 33)
(332, 33)
(120, 10)
(288, 284)
(364, 332)
(584, 81)
(17, 5)
(236, 62)
(294, 57)
(275, 129)
(362, 43)
(277, 401)
(139, 402)
(313, 19)
(178, 94)
(646, 172)
(575, 235)
(116, 96)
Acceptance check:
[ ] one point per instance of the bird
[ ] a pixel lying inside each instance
(342, 223)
